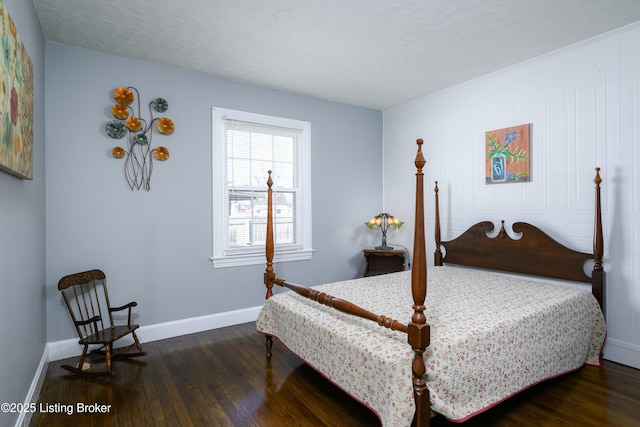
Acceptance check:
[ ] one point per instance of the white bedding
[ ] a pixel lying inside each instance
(491, 337)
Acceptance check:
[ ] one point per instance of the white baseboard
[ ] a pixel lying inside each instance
(69, 348)
(622, 352)
(62, 349)
(193, 325)
(24, 417)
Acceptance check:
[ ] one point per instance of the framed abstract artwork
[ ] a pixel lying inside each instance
(16, 101)
(507, 157)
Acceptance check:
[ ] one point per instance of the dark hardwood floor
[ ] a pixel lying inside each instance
(220, 378)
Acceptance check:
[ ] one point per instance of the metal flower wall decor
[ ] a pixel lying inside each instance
(138, 154)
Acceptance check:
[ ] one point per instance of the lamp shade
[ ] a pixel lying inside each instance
(384, 222)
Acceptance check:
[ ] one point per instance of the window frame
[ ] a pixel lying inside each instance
(222, 257)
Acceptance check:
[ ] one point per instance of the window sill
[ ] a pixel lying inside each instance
(238, 260)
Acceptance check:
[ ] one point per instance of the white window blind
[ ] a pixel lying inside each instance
(250, 145)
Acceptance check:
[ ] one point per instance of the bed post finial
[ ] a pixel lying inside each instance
(418, 329)
(597, 275)
(420, 161)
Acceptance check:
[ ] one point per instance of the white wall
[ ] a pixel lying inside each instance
(583, 103)
(155, 246)
(22, 255)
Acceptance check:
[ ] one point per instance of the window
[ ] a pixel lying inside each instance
(245, 147)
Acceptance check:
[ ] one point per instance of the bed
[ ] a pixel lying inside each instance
(473, 340)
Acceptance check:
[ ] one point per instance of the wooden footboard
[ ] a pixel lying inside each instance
(417, 329)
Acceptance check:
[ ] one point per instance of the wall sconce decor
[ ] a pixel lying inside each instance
(384, 222)
(138, 154)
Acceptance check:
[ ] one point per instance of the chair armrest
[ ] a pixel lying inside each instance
(131, 304)
(94, 319)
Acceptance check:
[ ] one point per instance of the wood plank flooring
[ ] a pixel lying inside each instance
(220, 378)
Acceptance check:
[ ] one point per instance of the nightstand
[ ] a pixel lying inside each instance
(383, 261)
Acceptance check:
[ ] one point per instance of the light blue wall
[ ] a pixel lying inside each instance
(155, 246)
(22, 247)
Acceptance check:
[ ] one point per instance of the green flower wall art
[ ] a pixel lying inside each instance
(507, 155)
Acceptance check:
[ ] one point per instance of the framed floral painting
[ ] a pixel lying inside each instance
(508, 155)
(16, 101)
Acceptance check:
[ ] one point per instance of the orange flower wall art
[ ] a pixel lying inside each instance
(137, 132)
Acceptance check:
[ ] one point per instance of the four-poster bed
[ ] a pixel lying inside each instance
(478, 339)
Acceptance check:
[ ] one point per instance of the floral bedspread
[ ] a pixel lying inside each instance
(491, 337)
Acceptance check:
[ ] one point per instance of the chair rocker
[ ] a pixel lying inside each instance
(86, 297)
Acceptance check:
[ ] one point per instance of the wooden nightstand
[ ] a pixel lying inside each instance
(383, 261)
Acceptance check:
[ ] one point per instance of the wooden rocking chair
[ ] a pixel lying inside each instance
(86, 297)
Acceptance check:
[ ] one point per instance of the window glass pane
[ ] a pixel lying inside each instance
(238, 172)
(260, 172)
(283, 148)
(238, 144)
(247, 212)
(248, 218)
(283, 175)
(284, 214)
(261, 146)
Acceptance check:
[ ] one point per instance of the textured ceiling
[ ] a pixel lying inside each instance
(370, 53)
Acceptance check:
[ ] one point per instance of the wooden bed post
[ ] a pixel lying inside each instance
(269, 274)
(437, 256)
(597, 275)
(418, 329)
